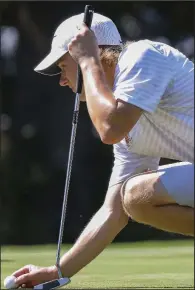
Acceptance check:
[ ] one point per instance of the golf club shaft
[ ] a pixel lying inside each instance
(88, 14)
(67, 182)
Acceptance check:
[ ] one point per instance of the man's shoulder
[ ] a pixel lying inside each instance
(141, 51)
(150, 48)
(145, 46)
(135, 47)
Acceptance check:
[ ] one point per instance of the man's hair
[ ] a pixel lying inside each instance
(110, 53)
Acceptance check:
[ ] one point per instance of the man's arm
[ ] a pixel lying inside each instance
(112, 118)
(99, 233)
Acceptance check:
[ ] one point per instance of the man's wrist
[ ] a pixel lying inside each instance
(53, 271)
(89, 62)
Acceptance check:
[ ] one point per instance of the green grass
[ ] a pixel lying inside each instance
(144, 264)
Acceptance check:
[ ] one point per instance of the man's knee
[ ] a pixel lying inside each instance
(133, 196)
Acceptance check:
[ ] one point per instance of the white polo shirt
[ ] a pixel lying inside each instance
(160, 80)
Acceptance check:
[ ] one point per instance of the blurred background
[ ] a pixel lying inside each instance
(36, 119)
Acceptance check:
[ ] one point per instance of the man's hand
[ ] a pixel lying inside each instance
(30, 275)
(84, 45)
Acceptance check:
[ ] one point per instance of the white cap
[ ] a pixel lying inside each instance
(104, 28)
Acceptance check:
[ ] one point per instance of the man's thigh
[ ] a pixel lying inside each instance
(173, 183)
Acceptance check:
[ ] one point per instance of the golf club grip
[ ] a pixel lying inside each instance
(88, 15)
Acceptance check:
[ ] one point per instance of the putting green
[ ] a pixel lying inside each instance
(129, 265)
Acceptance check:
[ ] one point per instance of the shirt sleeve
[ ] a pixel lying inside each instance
(142, 75)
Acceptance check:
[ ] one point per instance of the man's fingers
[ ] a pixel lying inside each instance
(23, 279)
(82, 27)
(30, 275)
(28, 285)
(21, 271)
(24, 270)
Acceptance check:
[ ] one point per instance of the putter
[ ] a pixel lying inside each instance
(88, 15)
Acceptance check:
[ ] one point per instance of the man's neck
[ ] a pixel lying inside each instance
(109, 73)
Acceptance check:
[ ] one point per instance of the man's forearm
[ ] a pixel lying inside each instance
(101, 103)
(100, 232)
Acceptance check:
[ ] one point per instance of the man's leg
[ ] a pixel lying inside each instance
(163, 199)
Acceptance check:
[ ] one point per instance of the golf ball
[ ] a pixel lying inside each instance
(9, 282)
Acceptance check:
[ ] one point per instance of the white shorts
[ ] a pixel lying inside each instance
(177, 178)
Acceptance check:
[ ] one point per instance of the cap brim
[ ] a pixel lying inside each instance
(48, 65)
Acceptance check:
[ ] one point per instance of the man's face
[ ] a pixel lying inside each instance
(68, 75)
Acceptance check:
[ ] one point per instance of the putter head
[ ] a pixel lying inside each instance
(52, 284)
